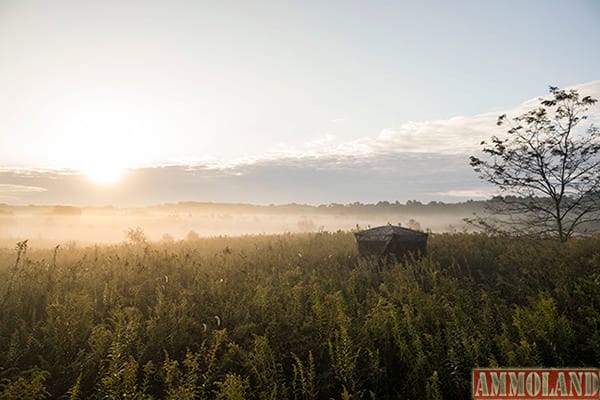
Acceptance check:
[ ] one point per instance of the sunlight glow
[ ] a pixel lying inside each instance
(104, 175)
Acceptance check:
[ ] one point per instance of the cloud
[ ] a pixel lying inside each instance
(468, 193)
(400, 163)
(8, 188)
(13, 193)
(423, 161)
(457, 135)
(313, 180)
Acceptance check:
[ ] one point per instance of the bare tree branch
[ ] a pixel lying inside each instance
(548, 169)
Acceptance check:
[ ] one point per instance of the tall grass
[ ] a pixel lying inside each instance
(290, 317)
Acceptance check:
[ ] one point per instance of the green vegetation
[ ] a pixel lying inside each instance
(290, 317)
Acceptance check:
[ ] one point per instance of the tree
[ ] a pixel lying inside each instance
(547, 168)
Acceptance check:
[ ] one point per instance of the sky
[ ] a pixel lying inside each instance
(143, 102)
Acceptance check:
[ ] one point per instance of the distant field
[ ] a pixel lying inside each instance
(291, 316)
(51, 225)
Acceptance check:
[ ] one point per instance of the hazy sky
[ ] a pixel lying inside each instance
(274, 101)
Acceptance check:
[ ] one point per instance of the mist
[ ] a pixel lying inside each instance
(50, 225)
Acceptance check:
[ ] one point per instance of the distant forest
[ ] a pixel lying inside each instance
(381, 207)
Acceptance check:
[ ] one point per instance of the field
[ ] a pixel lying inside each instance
(292, 316)
(92, 225)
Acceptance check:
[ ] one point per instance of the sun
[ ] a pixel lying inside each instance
(100, 161)
(104, 175)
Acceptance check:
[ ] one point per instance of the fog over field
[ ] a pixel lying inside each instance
(51, 225)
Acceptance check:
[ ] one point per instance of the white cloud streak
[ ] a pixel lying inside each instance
(460, 135)
(467, 193)
(9, 188)
(456, 136)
